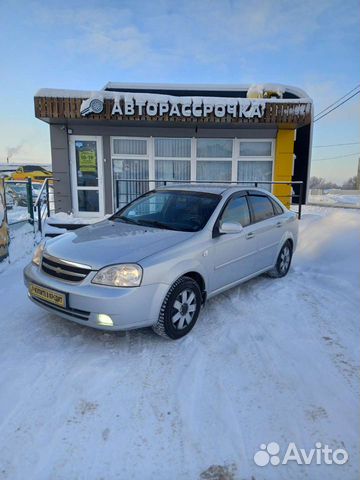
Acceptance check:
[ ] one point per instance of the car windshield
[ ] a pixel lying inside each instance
(173, 210)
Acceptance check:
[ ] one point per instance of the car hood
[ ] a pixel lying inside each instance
(109, 242)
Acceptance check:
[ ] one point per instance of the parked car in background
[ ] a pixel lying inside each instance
(157, 260)
(35, 172)
(36, 187)
(18, 193)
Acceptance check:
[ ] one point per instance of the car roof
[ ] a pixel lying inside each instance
(217, 188)
(195, 187)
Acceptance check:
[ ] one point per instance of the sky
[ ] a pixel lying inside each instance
(84, 44)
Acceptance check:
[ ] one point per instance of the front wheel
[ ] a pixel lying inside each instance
(180, 309)
(283, 261)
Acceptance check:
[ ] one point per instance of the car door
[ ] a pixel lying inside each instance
(234, 253)
(268, 227)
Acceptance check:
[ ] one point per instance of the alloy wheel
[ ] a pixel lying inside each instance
(184, 309)
(285, 258)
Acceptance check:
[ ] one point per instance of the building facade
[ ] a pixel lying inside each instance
(111, 145)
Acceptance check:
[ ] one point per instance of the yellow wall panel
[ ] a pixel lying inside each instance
(283, 168)
(283, 165)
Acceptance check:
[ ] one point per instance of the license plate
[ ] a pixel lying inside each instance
(48, 295)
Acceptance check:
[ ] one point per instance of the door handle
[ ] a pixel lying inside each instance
(250, 235)
(279, 224)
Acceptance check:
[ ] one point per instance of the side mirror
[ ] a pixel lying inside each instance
(230, 227)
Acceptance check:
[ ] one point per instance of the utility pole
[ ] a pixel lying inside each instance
(357, 183)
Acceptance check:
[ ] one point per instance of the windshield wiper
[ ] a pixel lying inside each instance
(126, 220)
(156, 224)
(147, 223)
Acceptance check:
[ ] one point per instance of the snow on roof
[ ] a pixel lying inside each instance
(118, 93)
(211, 87)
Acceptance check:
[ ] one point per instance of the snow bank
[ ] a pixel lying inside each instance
(329, 244)
(70, 218)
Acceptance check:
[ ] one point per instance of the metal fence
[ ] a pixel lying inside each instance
(28, 201)
(127, 190)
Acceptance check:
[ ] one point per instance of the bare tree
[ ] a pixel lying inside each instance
(350, 184)
(321, 183)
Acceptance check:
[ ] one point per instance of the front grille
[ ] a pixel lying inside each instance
(73, 312)
(63, 269)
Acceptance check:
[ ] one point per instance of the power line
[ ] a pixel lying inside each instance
(337, 106)
(336, 145)
(333, 158)
(338, 100)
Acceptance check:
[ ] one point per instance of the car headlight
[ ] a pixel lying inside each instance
(36, 260)
(125, 275)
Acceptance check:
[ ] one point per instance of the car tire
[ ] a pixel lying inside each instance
(283, 261)
(179, 310)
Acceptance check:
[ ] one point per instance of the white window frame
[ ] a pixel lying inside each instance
(216, 159)
(126, 156)
(254, 158)
(150, 156)
(73, 175)
(186, 159)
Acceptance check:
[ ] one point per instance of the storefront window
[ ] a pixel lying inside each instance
(172, 170)
(213, 171)
(130, 179)
(169, 159)
(214, 147)
(255, 171)
(129, 146)
(173, 147)
(86, 164)
(255, 149)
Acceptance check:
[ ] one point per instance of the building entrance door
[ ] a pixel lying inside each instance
(87, 176)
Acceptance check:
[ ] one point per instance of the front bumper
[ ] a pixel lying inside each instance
(128, 308)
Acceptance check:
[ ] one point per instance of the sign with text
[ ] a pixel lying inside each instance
(87, 161)
(156, 106)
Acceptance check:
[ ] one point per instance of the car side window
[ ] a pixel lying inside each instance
(261, 207)
(237, 211)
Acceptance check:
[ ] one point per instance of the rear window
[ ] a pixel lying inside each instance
(30, 168)
(261, 207)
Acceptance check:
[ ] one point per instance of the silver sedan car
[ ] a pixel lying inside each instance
(156, 261)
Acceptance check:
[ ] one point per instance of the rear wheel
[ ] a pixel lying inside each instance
(283, 261)
(180, 309)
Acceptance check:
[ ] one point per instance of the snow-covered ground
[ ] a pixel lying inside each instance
(17, 214)
(338, 199)
(272, 360)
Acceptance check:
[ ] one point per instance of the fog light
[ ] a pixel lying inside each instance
(104, 320)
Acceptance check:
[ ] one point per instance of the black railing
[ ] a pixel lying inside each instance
(127, 190)
(42, 204)
(22, 193)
